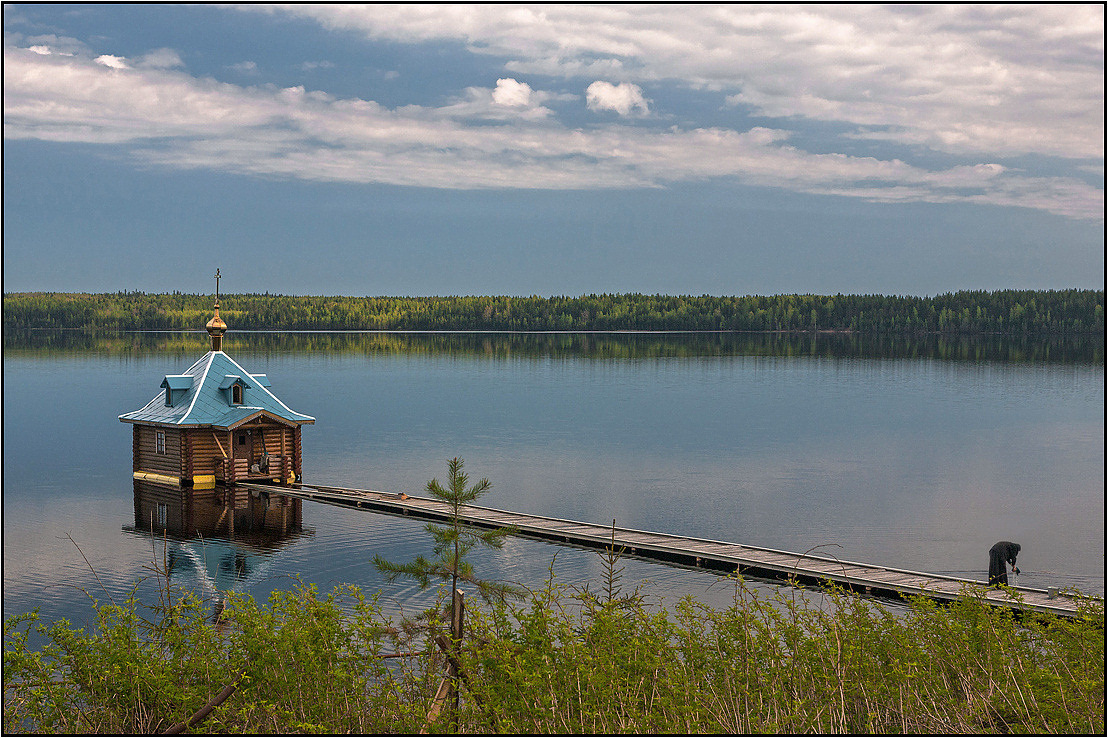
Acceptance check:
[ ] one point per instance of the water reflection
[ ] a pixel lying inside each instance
(1078, 349)
(199, 550)
(917, 464)
(211, 539)
(255, 519)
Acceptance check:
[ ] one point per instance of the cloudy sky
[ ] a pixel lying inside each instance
(569, 149)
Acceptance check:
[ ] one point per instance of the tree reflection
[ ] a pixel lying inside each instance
(1073, 349)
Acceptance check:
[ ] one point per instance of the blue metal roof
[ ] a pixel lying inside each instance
(177, 381)
(229, 379)
(206, 401)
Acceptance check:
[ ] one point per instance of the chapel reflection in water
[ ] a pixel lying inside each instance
(219, 542)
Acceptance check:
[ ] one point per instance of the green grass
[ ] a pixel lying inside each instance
(564, 661)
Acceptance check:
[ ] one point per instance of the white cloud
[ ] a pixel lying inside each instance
(624, 98)
(161, 59)
(990, 80)
(53, 44)
(244, 67)
(510, 100)
(308, 66)
(169, 118)
(512, 94)
(115, 62)
(43, 50)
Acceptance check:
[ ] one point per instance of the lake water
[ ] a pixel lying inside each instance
(904, 454)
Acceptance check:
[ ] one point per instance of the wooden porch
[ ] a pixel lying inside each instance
(230, 470)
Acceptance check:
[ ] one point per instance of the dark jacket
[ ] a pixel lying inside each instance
(1002, 552)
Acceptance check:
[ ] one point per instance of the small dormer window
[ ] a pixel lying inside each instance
(176, 387)
(232, 388)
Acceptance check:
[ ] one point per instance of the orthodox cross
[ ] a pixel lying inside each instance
(217, 284)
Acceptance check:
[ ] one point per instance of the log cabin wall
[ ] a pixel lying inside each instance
(277, 440)
(206, 452)
(192, 453)
(210, 447)
(149, 457)
(296, 449)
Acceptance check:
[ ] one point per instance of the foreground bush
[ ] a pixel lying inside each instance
(779, 666)
(300, 663)
(565, 661)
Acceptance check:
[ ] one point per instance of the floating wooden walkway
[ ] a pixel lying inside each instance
(693, 552)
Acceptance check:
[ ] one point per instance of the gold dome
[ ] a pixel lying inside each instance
(216, 328)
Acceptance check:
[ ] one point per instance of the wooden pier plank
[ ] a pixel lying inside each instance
(805, 567)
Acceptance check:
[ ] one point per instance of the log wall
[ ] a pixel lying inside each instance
(191, 452)
(205, 451)
(273, 440)
(296, 449)
(146, 456)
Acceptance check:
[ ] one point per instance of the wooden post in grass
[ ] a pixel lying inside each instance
(457, 614)
(436, 705)
(448, 687)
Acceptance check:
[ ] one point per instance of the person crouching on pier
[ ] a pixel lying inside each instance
(1002, 552)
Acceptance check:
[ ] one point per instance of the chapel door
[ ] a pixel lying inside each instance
(244, 445)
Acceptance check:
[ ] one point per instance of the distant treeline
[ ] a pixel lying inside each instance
(1013, 312)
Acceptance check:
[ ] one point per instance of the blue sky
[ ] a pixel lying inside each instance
(553, 150)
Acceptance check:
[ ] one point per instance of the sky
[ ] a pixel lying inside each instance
(553, 150)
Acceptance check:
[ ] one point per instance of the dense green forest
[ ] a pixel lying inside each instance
(1009, 312)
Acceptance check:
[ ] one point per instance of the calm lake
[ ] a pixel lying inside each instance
(918, 455)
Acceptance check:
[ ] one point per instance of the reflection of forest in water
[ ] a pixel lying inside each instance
(1083, 349)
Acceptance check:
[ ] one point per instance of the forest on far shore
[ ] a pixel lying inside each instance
(1012, 312)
